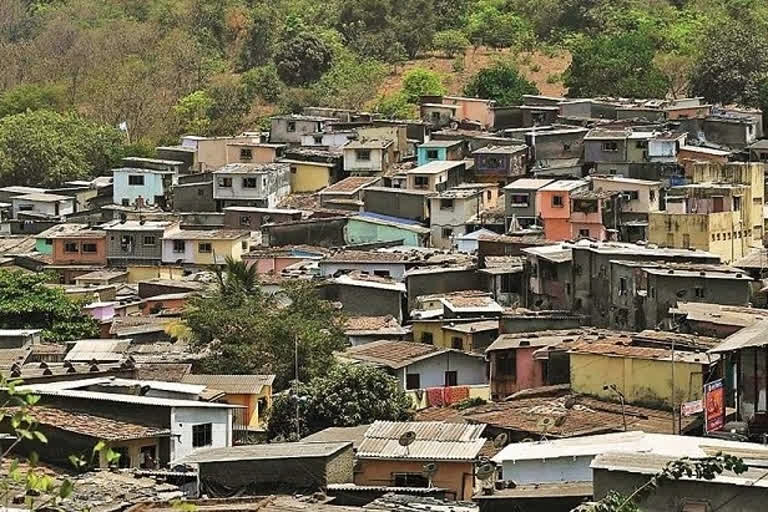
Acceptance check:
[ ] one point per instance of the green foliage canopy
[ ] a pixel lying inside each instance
(501, 82)
(45, 149)
(420, 82)
(303, 59)
(346, 395)
(26, 303)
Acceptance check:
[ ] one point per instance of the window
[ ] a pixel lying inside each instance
(435, 116)
(631, 195)
(566, 147)
(446, 204)
(652, 195)
(641, 144)
(293, 169)
(126, 243)
(518, 200)
(48, 241)
(202, 435)
(426, 337)
(412, 381)
(653, 292)
(432, 154)
(447, 232)
(737, 204)
(382, 273)
(135, 180)
(125, 202)
(557, 201)
(89, 247)
(686, 241)
(149, 241)
(506, 366)
(488, 195)
(70, 247)
(584, 233)
(225, 182)
(179, 246)
(291, 127)
(409, 480)
(244, 245)
(246, 154)
(318, 139)
(699, 292)
(622, 286)
(363, 154)
(420, 181)
(200, 192)
(457, 343)
(610, 147)
(204, 248)
(451, 378)
(245, 220)
(249, 183)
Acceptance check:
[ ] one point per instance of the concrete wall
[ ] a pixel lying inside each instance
(270, 186)
(724, 233)
(441, 282)
(259, 154)
(377, 163)
(593, 151)
(194, 197)
(330, 268)
(286, 475)
(220, 250)
(62, 257)
(561, 469)
(153, 191)
(469, 370)
(364, 301)
(52, 209)
(397, 203)
(327, 232)
(309, 176)
(642, 381)
(138, 249)
(557, 145)
(279, 131)
(455, 476)
(182, 420)
(673, 495)
(528, 372)
(647, 200)
(731, 134)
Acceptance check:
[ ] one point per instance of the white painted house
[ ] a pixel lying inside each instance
(259, 185)
(41, 203)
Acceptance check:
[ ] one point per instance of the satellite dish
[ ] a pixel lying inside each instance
(528, 440)
(545, 423)
(429, 468)
(407, 438)
(570, 402)
(485, 471)
(500, 441)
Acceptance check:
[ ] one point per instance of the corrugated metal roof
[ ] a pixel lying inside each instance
(752, 336)
(99, 350)
(434, 441)
(265, 452)
(233, 384)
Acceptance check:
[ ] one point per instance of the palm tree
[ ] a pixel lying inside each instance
(237, 276)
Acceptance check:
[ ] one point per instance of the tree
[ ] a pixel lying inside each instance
(451, 42)
(30, 97)
(420, 82)
(27, 303)
(490, 25)
(502, 82)
(249, 331)
(257, 48)
(396, 106)
(303, 59)
(45, 149)
(346, 395)
(191, 113)
(620, 65)
(731, 65)
(348, 83)
(676, 68)
(263, 82)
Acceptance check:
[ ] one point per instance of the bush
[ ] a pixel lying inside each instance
(502, 82)
(421, 82)
(263, 82)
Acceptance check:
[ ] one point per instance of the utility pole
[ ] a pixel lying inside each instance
(296, 380)
(674, 423)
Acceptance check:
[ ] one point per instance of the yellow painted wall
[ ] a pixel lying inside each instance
(221, 249)
(457, 477)
(719, 233)
(138, 273)
(251, 401)
(641, 380)
(309, 178)
(436, 328)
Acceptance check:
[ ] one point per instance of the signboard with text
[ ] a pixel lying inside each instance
(714, 405)
(691, 408)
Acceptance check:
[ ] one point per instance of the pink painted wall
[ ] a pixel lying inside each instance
(557, 229)
(529, 374)
(596, 230)
(272, 265)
